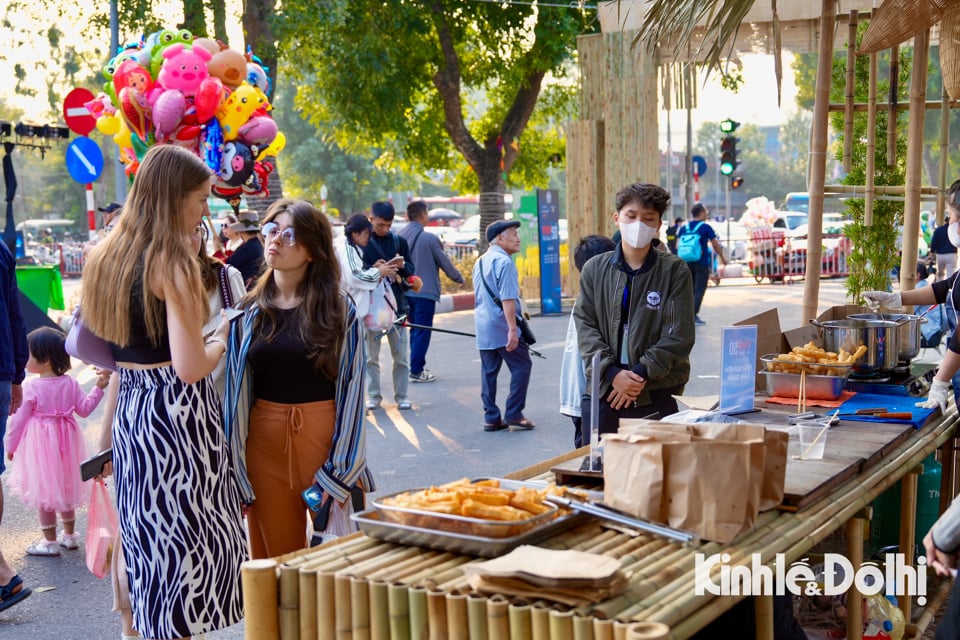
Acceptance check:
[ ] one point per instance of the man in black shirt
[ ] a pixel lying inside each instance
(384, 245)
(672, 234)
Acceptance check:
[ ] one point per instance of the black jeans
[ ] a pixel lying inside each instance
(700, 273)
(662, 403)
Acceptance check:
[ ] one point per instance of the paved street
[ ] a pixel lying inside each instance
(440, 440)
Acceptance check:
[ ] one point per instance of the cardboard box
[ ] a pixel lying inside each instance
(772, 339)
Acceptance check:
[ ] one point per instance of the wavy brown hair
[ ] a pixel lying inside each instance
(150, 243)
(322, 314)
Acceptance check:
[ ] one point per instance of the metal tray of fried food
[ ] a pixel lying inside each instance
(474, 536)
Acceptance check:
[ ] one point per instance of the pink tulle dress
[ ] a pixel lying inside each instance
(48, 445)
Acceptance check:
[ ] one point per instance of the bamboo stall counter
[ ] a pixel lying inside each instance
(358, 588)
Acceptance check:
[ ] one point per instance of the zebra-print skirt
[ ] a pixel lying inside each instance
(180, 523)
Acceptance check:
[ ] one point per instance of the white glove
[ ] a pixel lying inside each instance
(937, 397)
(885, 299)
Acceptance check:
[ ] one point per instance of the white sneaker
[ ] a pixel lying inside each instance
(43, 547)
(69, 540)
(423, 376)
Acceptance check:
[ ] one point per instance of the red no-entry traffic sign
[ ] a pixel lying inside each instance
(76, 115)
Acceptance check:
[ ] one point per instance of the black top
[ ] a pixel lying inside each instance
(248, 260)
(385, 248)
(940, 241)
(140, 348)
(282, 372)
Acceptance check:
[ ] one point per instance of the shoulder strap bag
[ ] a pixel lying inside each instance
(526, 333)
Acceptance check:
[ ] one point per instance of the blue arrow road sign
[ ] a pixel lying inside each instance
(84, 160)
(701, 164)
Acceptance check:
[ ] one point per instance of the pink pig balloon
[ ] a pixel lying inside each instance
(208, 98)
(183, 69)
(168, 110)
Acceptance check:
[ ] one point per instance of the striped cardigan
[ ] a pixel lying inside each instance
(347, 463)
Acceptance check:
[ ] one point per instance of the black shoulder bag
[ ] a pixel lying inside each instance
(526, 333)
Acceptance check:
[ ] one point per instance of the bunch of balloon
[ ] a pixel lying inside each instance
(172, 88)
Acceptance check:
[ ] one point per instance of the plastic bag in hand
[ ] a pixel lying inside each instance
(102, 527)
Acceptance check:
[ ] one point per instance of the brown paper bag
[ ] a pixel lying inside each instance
(775, 449)
(707, 478)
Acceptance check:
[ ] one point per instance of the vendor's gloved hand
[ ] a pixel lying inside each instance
(886, 299)
(937, 397)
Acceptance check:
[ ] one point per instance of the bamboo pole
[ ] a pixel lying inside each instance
(854, 597)
(289, 603)
(893, 100)
(818, 161)
(871, 143)
(379, 610)
(457, 617)
(437, 614)
(326, 604)
(360, 608)
(498, 617)
(419, 614)
(260, 604)
(477, 616)
(650, 631)
(931, 608)
(344, 606)
(849, 92)
(860, 107)
(582, 628)
(561, 625)
(540, 621)
(944, 155)
(602, 629)
(308, 605)
(763, 613)
(398, 599)
(914, 171)
(324, 553)
(893, 189)
(620, 629)
(521, 627)
(908, 521)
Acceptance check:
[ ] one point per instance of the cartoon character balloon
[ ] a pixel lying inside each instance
(237, 109)
(236, 163)
(184, 69)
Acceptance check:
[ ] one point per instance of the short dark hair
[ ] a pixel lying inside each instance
(383, 210)
(677, 220)
(47, 344)
(697, 209)
(648, 195)
(416, 208)
(357, 223)
(589, 246)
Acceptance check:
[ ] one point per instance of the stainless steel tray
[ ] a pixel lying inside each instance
(372, 523)
(449, 534)
(787, 385)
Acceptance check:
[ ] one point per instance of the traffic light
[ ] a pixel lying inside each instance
(728, 147)
(736, 182)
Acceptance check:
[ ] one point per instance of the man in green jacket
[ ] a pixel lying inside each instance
(636, 308)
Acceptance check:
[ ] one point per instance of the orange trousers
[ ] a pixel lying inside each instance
(286, 446)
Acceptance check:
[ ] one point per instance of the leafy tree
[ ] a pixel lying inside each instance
(311, 160)
(428, 80)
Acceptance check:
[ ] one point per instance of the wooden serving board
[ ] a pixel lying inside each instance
(569, 472)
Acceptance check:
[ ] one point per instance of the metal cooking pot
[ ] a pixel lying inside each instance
(909, 331)
(881, 337)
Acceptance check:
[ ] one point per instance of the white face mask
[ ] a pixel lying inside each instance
(953, 232)
(637, 234)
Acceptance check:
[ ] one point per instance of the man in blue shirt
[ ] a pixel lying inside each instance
(13, 360)
(496, 288)
(700, 270)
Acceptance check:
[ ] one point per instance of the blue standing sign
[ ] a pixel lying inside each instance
(738, 368)
(84, 160)
(548, 222)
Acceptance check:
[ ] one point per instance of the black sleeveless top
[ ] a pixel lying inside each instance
(140, 349)
(282, 372)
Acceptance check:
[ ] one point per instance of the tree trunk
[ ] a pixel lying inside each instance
(492, 188)
(258, 34)
(219, 20)
(193, 18)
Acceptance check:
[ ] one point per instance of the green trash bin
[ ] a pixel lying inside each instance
(42, 285)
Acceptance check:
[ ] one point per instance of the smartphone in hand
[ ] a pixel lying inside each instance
(93, 466)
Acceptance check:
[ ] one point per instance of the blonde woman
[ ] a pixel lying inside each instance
(180, 523)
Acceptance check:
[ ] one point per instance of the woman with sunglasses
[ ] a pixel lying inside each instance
(294, 393)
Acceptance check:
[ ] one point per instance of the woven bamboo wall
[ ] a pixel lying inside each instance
(615, 141)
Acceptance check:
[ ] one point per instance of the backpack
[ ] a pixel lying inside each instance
(689, 247)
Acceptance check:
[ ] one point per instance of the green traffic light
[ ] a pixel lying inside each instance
(729, 126)
(727, 167)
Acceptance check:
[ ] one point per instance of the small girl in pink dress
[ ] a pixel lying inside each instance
(47, 441)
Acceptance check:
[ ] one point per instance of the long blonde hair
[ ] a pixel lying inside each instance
(149, 244)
